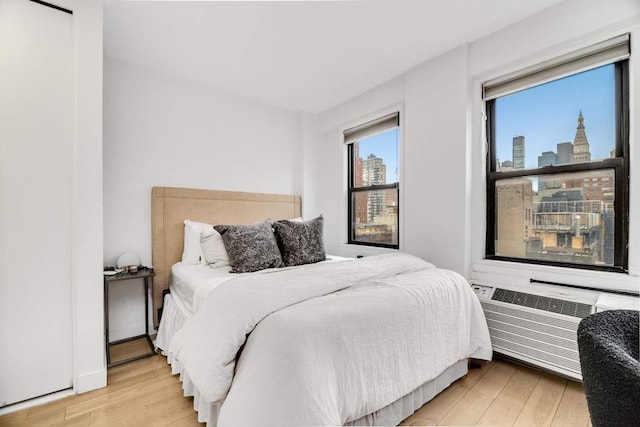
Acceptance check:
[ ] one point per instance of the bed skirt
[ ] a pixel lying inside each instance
(390, 415)
(394, 413)
(173, 319)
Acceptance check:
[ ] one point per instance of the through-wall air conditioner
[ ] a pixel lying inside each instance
(538, 327)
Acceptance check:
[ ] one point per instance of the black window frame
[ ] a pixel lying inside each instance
(352, 190)
(620, 165)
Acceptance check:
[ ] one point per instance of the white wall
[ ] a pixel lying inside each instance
(163, 131)
(325, 166)
(435, 194)
(432, 216)
(443, 209)
(86, 274)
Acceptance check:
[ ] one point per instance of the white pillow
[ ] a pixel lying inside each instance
(215, 254)
(192, 250)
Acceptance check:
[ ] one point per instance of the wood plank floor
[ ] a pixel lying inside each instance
(505, 394)
(144, 393)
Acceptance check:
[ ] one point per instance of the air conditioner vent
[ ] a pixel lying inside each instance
(569, 365)
(568, 308)
(516, 316)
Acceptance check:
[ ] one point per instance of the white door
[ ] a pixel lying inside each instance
(36, 141)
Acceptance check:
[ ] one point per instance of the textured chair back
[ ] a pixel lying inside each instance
(609, 347)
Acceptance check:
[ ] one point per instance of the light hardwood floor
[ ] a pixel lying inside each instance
(144, 393)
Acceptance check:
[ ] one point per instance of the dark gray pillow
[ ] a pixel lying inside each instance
(300, 242)
(250, 247)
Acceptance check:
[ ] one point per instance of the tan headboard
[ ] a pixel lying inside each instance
(171, 206)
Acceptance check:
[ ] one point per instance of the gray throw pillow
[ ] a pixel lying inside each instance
(250, 247)
(300, 242)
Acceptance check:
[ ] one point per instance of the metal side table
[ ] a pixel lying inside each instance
(147, 276)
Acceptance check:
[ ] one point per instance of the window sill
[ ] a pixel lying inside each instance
(505, 272)
(353, 251)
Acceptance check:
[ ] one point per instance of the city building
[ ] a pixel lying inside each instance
(547, 158)
(599, 186)
(581, 151)
(570, 227)
(514, 199)
(374, 172)
(518, 152)
(572, 215)
(360, 214)
(565, 153)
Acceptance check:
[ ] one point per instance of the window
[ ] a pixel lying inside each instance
(558, 161)
(373, 185)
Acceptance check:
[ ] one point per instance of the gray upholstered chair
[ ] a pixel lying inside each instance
(609, 348)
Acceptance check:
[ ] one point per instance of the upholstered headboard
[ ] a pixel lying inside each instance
(171, 206)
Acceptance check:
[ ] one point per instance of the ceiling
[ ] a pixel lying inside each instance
(298, 55)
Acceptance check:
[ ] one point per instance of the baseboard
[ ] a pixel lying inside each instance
(90, 381)
(83, 384)
(36, 401)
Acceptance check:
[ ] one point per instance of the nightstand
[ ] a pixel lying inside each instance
(147, 276)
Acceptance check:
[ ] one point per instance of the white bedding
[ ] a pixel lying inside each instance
(191, 283)
(328, 344)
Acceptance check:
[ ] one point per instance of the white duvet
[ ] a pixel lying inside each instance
(190, 284)
(328, 344)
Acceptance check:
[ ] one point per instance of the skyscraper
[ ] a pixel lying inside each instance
(565, 153)
(374, 172)
(581, 151)
(518, 152)
(360, 215)
(547, 158)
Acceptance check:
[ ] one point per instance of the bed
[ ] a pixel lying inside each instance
(343, 342)
(189, 286)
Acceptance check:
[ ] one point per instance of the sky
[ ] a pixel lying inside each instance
(545, 115)
(548, 114)
(385, 146)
